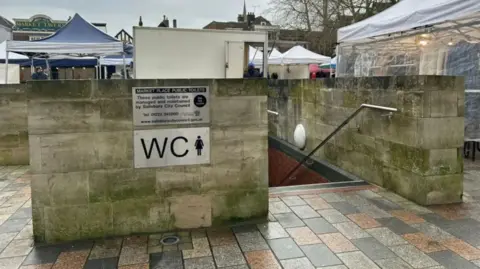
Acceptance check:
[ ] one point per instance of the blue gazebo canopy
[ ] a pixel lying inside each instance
(78, 30)
(77, 37)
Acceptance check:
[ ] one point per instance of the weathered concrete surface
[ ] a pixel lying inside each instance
(13, 125)
(359, 209)
(415, 152)
(84, 184)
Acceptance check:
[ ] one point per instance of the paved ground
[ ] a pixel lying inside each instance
(352, 228)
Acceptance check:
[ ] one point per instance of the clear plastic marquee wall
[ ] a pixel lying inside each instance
(454, 52)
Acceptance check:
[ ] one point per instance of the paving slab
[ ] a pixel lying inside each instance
(320, 255)
(357, 260)
(373, 248)
(449, 259)
(324, 230)
(285, 248)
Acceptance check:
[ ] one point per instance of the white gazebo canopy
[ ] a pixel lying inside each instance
(255, 55)
(11, 55)
(413, 15)
(275, 53)
(300, 55)
(257, 58)
(275, 57)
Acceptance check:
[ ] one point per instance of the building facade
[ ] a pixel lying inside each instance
(124, 36)
(5, 29)
(283, 39)
(40, 26)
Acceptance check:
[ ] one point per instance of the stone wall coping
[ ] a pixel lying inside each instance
(95, 89)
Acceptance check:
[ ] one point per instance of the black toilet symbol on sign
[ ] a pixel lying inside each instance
(199, 145)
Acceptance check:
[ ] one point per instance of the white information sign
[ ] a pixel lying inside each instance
(170, 105)
(168, 147)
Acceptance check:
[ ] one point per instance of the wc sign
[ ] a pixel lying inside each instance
(169, 147)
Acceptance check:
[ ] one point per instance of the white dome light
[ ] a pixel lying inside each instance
(300, 136)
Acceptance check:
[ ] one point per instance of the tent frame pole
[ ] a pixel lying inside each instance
(6, 66)
(97, 68)
(382, 38)
(265, 56)
(48, 68)
(124, 67)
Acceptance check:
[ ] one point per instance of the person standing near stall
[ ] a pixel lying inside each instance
(39, 74)
(252, 72)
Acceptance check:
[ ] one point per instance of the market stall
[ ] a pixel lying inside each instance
(13, 57)
(295, 63)
(429, 37)
(256, 56)
(78, 38)
(411, 37)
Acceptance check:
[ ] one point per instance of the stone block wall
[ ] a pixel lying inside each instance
(416, 152)
(13, 125)
(84, 184)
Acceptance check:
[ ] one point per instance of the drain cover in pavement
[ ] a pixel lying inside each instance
(170, 240)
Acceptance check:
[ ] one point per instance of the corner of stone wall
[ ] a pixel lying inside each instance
(416, 152)
(13, 125)
(84, 184)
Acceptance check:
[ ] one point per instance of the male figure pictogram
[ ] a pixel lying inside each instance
(199, 145)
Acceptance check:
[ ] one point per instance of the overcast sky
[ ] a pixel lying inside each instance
(120, 14)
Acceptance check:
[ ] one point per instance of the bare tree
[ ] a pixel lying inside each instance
(310, 15)
(323, 15)
(362, 9)
(293, 14)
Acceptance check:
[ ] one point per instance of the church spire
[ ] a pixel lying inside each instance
(244, 10)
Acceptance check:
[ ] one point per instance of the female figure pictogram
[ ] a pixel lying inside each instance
(199, 145)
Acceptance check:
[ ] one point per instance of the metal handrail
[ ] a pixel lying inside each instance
(390, 109)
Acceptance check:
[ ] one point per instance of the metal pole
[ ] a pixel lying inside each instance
(124, 67)
(6, 67)
(336, 55)
(98, 68)
(265, 56)
(48, 68)
(391, 109)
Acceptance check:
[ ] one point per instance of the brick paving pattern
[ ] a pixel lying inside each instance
(348, 228)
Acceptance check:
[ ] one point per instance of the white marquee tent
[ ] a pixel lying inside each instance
(11, 55)
(275, 57)
(334, 60)
(115, 60)
(300, 55)
(410, 15)
(419, 37)
(275, 53)
(256, 56)
(411, 37)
